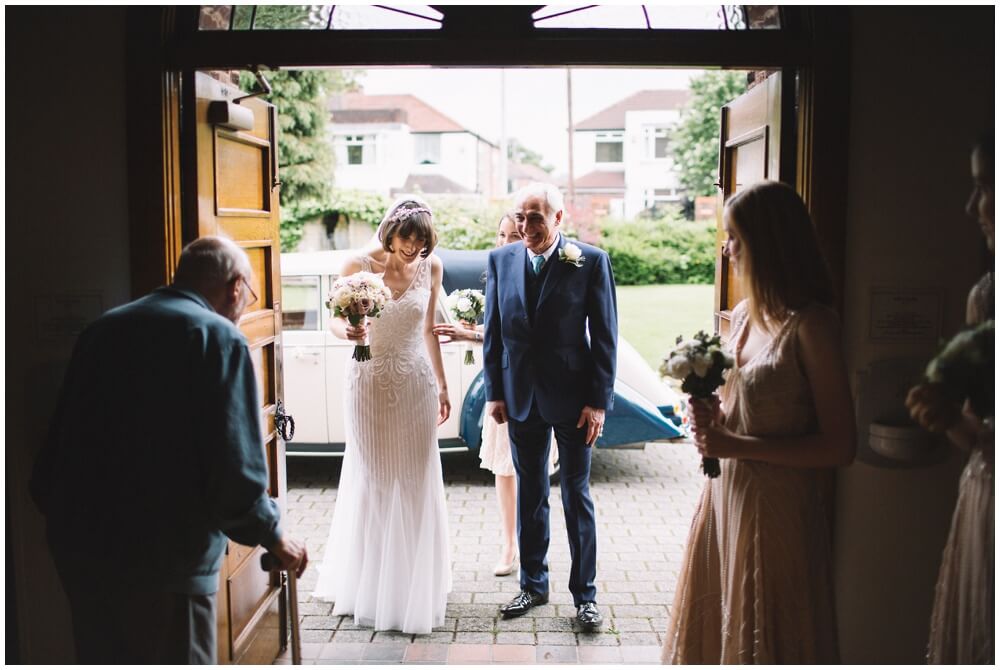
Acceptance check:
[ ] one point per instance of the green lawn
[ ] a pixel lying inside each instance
(651, 317)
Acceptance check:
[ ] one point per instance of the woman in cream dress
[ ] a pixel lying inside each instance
(494, 454)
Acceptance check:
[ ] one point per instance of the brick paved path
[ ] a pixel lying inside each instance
(644, 500)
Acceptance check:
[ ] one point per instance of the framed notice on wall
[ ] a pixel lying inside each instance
(65, 315)
(905, 314)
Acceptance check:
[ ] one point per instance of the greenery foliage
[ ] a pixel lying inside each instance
(667, 250)
(286, 17)
(466, 224)
(305, 157)
(460, 223)
(695, 140)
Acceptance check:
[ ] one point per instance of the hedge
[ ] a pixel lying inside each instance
(660, 251)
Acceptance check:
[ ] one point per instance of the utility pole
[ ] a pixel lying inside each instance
(569, 130)
(504, 178)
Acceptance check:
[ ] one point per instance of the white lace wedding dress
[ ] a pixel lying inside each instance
(387, 560)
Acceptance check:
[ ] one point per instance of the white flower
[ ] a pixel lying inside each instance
(463, 304)
(572, 254)
(701, 365)
(679, 367)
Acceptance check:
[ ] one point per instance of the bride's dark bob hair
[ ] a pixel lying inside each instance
(407, 218)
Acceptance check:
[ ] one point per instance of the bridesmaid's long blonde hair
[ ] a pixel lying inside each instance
(781, 262)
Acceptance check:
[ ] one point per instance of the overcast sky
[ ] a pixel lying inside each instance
(535, 106)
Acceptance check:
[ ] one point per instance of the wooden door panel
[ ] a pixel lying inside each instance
(238, 198)
(749, 151)
(242, 169)
(248, 589)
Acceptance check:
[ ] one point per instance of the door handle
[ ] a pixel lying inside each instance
(284, 423)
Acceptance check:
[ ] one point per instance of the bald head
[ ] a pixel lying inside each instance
(217, 268)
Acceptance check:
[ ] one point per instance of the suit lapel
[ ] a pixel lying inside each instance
(554, 275)
(517, 267)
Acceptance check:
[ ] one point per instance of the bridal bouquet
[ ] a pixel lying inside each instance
(467, 305)
(357, 297)
(965, 368)
(701, 364)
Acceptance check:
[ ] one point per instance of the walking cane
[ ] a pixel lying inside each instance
(270, 562)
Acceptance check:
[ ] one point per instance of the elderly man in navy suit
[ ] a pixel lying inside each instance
(549, 359)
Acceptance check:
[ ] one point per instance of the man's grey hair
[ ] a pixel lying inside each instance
(211, 261)
(552, 196)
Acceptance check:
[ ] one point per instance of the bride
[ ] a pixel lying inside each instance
(387, 559)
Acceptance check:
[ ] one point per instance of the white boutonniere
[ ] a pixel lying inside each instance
(572, 254)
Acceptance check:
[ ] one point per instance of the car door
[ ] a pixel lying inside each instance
(303, 337)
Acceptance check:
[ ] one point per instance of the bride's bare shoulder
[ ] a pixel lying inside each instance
(352, 265)
(437, 267)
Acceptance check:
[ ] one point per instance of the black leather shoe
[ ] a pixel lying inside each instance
(589, 617)
(523, 602)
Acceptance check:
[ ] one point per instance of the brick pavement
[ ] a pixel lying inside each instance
(644, 501)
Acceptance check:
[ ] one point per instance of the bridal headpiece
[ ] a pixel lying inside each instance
(406, 212)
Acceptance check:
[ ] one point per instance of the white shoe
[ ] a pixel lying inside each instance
(502, 570)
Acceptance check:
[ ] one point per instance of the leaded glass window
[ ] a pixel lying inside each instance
(660, 17)
(318, 17)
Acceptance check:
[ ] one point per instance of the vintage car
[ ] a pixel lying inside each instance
(315, 361)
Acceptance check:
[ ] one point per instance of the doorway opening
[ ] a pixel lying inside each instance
(464, 140)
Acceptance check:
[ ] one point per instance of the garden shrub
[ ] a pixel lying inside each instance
(660, 251)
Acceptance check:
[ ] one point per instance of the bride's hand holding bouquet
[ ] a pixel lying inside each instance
(357, 297)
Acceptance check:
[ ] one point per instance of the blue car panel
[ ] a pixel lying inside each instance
(633, 420)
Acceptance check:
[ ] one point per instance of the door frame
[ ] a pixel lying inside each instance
(164, 47)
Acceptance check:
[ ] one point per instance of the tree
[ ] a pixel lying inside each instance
(519, 153)
(695, 140)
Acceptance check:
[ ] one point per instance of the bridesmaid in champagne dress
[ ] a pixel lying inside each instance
(962, 620)
(756, 583)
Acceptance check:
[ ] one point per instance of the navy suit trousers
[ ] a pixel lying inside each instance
(530, 443)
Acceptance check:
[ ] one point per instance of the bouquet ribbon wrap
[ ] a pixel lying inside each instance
(363, 351)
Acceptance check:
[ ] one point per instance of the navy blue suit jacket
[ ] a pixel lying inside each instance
(550, 359)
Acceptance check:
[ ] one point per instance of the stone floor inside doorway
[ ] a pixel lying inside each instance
(644, 499)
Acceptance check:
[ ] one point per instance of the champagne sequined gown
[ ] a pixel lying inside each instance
(756, 583)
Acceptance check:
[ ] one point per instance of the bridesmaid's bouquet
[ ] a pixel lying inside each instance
(701, 364)
(357, 297)
(467, 305)
(965, 368)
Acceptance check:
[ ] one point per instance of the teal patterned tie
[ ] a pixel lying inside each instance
(536, 263)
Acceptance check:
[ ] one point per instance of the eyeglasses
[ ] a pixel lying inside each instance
(250, 288)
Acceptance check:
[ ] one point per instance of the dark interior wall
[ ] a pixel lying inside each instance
(67, 253)
(922, 88)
